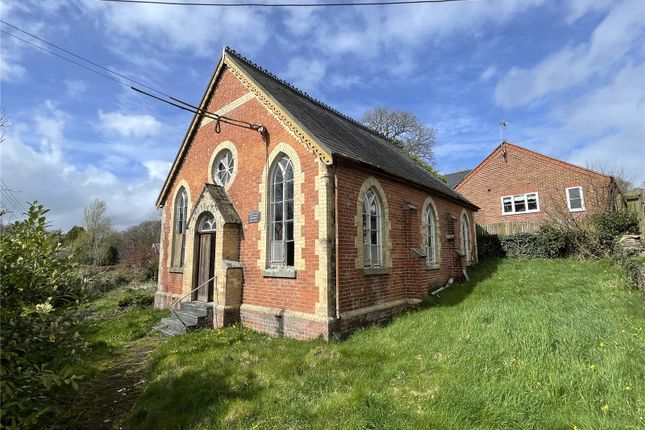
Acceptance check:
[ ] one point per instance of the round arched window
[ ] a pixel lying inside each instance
(206, 223)
(223, 167)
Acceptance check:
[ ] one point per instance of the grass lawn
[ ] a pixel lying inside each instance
(526, 344)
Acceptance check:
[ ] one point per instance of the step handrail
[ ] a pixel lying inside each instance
(178, 301)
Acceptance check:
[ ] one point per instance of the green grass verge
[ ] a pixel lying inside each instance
(113, 365)
(528, 344)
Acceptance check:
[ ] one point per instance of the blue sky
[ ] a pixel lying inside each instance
(567, 76)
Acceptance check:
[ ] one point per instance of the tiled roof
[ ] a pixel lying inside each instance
(456, 177)
(339, 134)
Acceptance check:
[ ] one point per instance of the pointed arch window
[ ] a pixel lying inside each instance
(465, 238)
(431, 235)
(282, 245)
(179, 228)
(372, 232)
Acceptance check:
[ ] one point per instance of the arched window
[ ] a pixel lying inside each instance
(223, 167)
(431, 235)
(371, 230)
(281, 220)
(465, 237)
(206, 223)
(179, 228)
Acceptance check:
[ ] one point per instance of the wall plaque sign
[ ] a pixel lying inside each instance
(254, 217)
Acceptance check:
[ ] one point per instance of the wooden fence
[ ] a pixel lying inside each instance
(636, 203)
(507, 229)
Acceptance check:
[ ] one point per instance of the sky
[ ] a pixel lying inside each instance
(568, 77)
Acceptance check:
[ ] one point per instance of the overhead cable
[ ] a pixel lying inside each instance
(271, 5)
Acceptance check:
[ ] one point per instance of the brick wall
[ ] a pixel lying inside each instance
(523, 171)
(298, 294)
(304, 307)
(409, 278)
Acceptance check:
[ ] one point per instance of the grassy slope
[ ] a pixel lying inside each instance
(119, 341)
(526, 344)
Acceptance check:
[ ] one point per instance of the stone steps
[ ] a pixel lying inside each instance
(190, 316)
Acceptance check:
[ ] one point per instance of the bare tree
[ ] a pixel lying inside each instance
(404, 130)
(98, 227)
(4, 123)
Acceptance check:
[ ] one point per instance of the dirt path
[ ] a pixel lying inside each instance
(105, 401)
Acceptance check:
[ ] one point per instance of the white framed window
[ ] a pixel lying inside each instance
(465, 237)
(520, 203)
(223, 167)
(282, 249)
(372, 230)
(179, 229)
(430, 234)
(575, 199)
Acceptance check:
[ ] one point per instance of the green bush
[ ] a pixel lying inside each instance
(609, 226)
(100, 280)
(39, 290)
(140, 298)
(520, 245)
(488, 246)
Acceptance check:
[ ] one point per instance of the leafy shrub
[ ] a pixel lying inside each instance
(101, 280)
(140, 298)
(39, 289)
(633, 263)
(488, 246)
(608, 226)
(520, 245)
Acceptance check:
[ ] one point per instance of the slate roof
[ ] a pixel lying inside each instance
(339, 134)
(455, 178)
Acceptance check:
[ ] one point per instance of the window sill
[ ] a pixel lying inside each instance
(369, 271)
(433, 266)
(520, 213)
(280, 272)
(176, 270)
(577, 210)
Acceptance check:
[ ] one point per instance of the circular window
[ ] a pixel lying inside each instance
(223, 167)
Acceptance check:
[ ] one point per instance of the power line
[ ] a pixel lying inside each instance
(191, 108)
(270, 5)
(64, 58)
(82, 58)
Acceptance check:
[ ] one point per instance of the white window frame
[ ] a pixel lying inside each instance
(369, 259)
(228, 172)
(179, 228)
(582, 199)
(465, 237)
(431, 236)
(526, 203)
(280, 259)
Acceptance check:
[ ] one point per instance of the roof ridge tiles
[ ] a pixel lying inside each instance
(303, 93)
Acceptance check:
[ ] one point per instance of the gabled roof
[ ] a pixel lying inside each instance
(530, 153)
(326, 131)
(456, 177)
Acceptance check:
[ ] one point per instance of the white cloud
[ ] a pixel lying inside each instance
(74, 87)
(157, 169)
(617, 34)
(126, 125)
(489, 73)
(10, 69)
(45, 172)
(305, 74)
(181, 29)
(610, 122)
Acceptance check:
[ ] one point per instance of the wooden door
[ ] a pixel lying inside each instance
(205, 266)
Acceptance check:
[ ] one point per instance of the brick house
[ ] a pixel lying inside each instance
(516, 189)
(314, 225)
